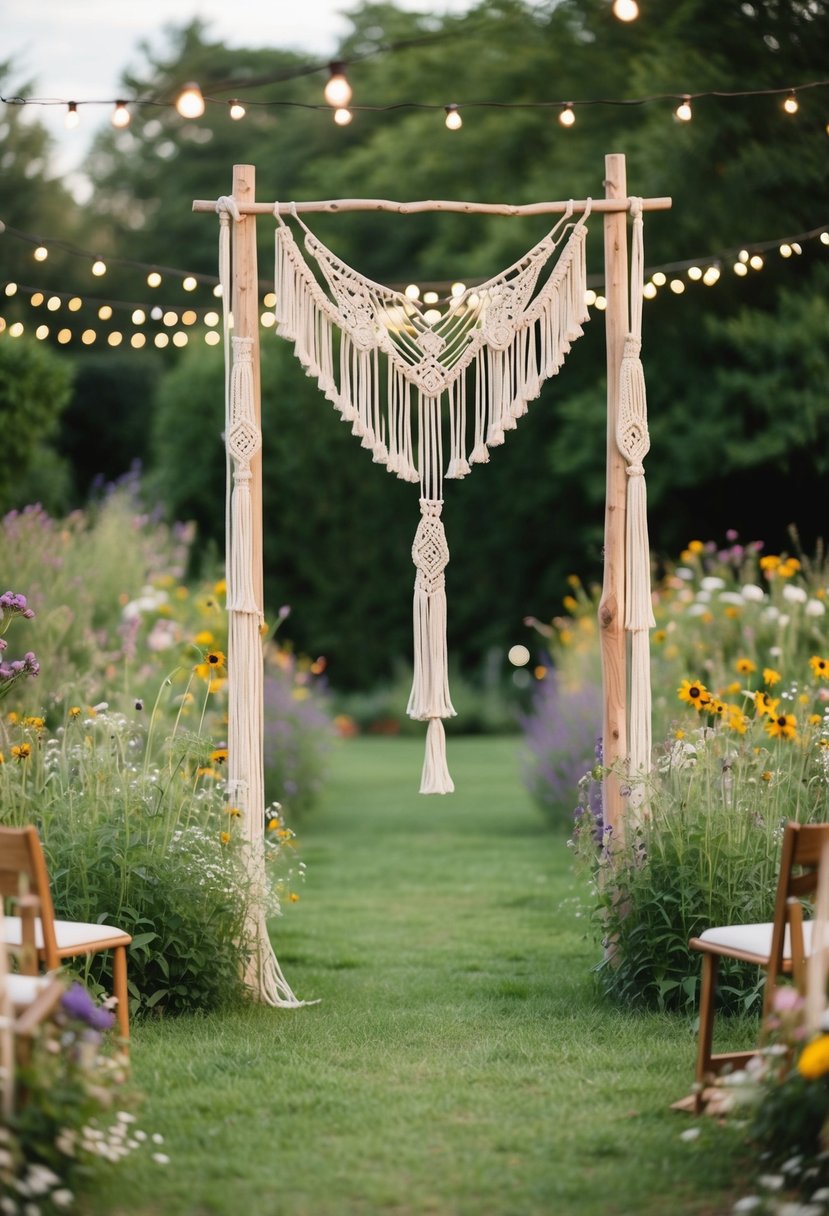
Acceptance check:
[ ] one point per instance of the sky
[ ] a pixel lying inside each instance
(77, 49)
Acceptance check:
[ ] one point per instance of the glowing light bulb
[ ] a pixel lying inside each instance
(190, 103)
(694, 274)
(412, 292)
(740, 269)
(10, 289)
(711, 276)
(64, 336)
(153, 279)
(269, 299)
(190, 283)
(743, 255)
(659, 278)
(518, 655)
(139, 316)
(601, 303)
(824, 238)
(454, 122)
(567, 116)
(590, 297)
(212, 339)
(72, 116)
(342, 116)
(99, 267)
(796, 247)
(237, 110)
(756, 262)
(105, 312)
(41, 253)
(625, 10)
(36, 299)
(649, 291)
(683, 111)
(458, 289)
(677, 286)
(430, 297)
(120, 115)
(337, 91)
(791, 105)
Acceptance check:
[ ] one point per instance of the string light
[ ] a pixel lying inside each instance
(337, 91)
(153, 279)
(625, 10)
(41, 253)
(683, 111)
(453, 120)
(99, 267)
(791, 105)
(342, 116)
(190, 283)
(72, 116)
(190, 102)
(237, 110)
(120, 115)
(567, 117)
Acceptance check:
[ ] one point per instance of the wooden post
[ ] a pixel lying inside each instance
(245, 309)
(612, 605)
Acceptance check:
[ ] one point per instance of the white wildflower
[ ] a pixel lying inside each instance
(697, 609)
(815, 608)
(62, 1198)
(751, 593)
(793, 594)
(712, 583)
(749, 1203)
(731, 597)
(771, 1182)
(685, 573)
(690, 1133)
(157, 1138)
(161, 1158)
(771, 613)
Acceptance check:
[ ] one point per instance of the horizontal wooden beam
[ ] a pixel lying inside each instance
(332, 206)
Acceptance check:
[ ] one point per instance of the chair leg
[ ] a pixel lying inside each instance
(119, 989)
(710, 966)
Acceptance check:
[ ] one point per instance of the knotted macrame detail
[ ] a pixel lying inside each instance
(633, 442)
(429, 392)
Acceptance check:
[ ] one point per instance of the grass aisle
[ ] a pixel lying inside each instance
(459, 1063)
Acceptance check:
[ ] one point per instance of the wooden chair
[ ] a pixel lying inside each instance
(22, 865)
(26, 1000)
(781, 947)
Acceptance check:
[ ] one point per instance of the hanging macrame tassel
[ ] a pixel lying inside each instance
(633, 442)
(429, 699)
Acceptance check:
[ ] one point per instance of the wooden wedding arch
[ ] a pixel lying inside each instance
(623, 636)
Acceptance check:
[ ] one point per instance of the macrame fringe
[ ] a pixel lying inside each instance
(262, 974)
(435, 778)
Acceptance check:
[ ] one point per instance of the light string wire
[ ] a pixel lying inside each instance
(683, 95)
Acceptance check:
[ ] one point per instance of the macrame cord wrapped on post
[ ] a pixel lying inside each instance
(633, 442)
(245, 791)
(464, 376)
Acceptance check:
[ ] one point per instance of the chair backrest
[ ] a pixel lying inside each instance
(800, 856)
(22, 872)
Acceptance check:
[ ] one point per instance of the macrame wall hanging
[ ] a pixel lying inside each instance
(430, 393)
(429, 398)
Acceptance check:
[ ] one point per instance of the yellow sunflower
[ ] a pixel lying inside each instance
(782, 726)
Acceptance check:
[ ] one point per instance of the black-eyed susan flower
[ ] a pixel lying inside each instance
(819, 666)
(215, 659)
(21, 751)
(74, 712)
(218, 755)
(736, 719)
(764, 704)
(692, 692)
(224, 837)
(745, 667)
(782, 726)
(814, 1059)
(293, 897)
(771, 677)
(233, 812)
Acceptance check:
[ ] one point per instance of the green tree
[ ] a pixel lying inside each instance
(34, 387)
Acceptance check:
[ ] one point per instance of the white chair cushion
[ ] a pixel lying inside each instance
(70, 935)
(753, 939)
(23, 990)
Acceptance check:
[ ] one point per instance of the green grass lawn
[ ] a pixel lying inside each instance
(460, 1061)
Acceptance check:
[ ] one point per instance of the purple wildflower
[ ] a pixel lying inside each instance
(77, 1003)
